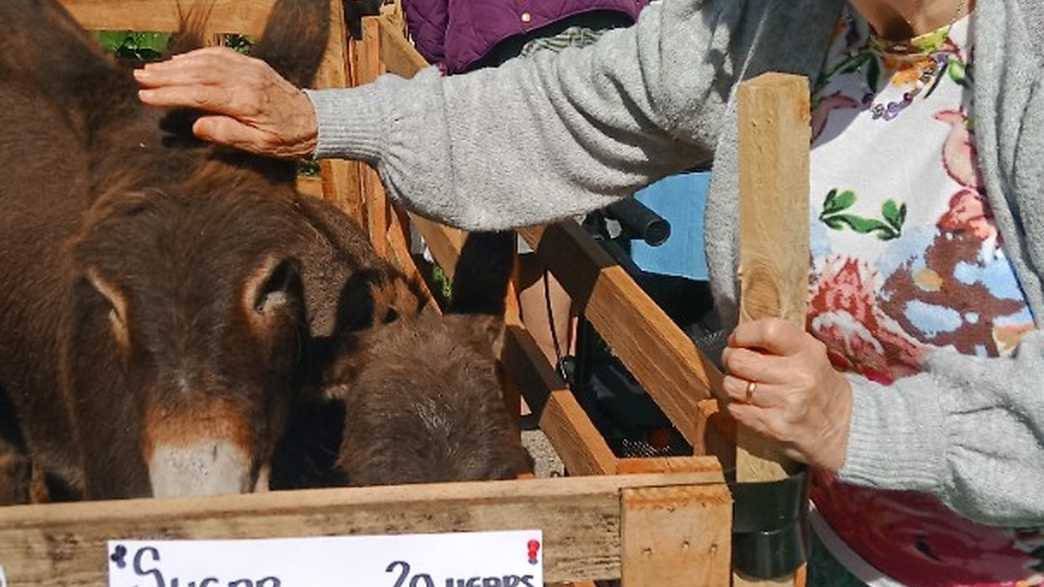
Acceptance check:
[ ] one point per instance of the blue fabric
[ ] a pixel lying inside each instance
(680, 199)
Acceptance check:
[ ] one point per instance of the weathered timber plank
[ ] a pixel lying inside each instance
(369, 68)
(246, 17)
(340, 178)
(678, 536)
(445, 243)
(310, 186)
(65, 544)
(774, 247)
(398, 55)
(774, 136)
(569, 430)
(695, 464)
(578, 443)
(664, 360)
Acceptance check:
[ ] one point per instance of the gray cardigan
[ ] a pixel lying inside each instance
(545, 139)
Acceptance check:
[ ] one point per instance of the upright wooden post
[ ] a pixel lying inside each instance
(678, 536)
(369, 68)
(340, 179)
(774, 137)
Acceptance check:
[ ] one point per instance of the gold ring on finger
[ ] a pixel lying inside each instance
(752, 386)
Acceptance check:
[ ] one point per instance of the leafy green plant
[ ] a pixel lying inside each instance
(240, 43)
(442, 281)
(134, 46)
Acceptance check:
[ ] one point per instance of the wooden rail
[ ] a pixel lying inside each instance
(593, 526)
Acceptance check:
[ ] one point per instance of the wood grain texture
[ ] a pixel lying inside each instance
(678, 536)
(369, 68)
(774, 137)
(398, 55)
(310, 186)
(570, 431)
(444, 242)
(696, 464)
(661, 357)
(340, 178)
(512, 318)
(246, 17)
(578, 443)
(774, 140)
(64, 545)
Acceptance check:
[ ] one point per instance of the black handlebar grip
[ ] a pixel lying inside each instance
(638, 221)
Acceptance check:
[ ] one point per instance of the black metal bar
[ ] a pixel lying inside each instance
(639, 222)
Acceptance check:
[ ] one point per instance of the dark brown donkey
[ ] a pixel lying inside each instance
(153, 303)
(421, 396)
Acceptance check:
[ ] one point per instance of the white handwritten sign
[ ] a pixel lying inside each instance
(476, 559)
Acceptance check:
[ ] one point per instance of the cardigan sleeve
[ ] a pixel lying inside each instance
(968, 430)
(545, 138)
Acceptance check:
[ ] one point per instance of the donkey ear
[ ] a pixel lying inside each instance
(295, 39)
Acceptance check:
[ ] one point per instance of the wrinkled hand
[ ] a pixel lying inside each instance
(250, 106)
(800, 400)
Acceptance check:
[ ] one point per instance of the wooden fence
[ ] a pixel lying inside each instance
(649, 522)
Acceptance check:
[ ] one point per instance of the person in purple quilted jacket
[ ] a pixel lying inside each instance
(464, 35)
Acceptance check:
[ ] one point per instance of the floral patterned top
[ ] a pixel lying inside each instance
(906, 258)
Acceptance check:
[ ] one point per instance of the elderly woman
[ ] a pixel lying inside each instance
(916, 391)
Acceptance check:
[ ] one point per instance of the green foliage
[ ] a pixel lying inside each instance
(442, 282)
(308, 168)
(134, 46)
(240, 43)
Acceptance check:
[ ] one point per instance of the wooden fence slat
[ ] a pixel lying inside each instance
(774, 186)
(398, 55)
(445, 243)
(645, 465)
(578, 443)
(661, 357)
(65, 544)
(310, 186)
(340, 178)
(774, 134)
(678, 536)
(369, 68)
(246, 17)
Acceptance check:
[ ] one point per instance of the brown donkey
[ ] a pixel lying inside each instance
(154, 291)
(422, 398)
